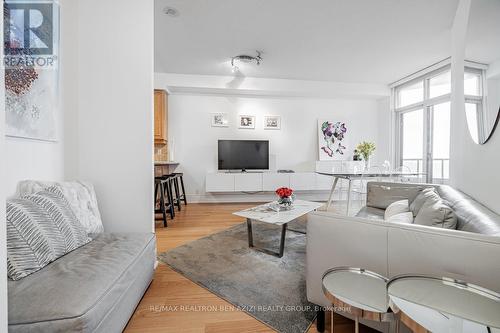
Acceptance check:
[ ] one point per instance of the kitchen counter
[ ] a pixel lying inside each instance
(163, 168)
(166, 163)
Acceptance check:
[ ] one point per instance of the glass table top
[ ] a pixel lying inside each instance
(360, 288)
(445, 305)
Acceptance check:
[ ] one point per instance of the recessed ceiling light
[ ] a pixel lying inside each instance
(171, 11)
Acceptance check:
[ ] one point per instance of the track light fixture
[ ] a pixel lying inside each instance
(245, 59)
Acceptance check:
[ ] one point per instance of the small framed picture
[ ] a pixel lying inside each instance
(272, 122)
(219, 120)
(247, 122)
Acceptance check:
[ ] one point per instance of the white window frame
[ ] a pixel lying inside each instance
(426, 105)
(478, 100)
(425, 75)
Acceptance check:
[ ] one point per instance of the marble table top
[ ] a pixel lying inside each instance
(264, 213)
(166, 163)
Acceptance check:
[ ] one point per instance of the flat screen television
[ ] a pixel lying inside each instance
(243, 155)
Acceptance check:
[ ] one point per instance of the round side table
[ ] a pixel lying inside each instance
(360, 293)
(444, 305)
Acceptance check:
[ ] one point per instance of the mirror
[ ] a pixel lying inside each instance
(482, 69)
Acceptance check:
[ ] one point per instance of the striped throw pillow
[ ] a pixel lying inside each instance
(40, 228)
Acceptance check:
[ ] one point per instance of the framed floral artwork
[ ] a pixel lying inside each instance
(31, 71)
(331, 140)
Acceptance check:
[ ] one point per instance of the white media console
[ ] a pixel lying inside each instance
(223, 182)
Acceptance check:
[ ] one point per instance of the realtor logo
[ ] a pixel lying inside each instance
(29, 33)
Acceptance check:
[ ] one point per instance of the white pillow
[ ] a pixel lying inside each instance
(398, 207)
(406, 218)
(80, 195)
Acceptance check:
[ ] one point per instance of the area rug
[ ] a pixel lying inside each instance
(271, 289)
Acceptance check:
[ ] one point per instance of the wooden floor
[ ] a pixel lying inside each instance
(174, 304)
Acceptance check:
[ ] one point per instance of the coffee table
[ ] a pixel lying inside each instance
(264, 213)
(360, 293)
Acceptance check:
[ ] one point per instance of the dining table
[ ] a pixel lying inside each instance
(351, 176)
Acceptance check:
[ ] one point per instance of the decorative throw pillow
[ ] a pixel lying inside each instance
(382, 195)
(421, 198)
(59, 210)
(80, 195)
(40, 228)
(434, 212)
(33, 241)
(405, 218)
(395, 208)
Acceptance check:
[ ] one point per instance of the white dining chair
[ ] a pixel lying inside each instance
(396, 175)
(360, 188)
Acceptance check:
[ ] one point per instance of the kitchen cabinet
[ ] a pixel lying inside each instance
(161, 117)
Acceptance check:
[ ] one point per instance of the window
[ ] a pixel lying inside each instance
(473, 91)
(440, 85)
(422, 109)
(471, 113)
(412, 138)
(472, 82)
(411, 94)
(441, 140)
(423, 112)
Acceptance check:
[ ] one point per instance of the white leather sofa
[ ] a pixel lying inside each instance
(471, 253)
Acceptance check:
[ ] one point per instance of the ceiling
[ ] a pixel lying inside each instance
(363, 41)
(483, 34)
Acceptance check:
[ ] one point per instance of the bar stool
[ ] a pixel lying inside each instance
(178, 184)
(161, 189)
(169, 194)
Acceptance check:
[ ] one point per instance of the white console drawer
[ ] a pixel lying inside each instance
(248, 182)
(273, 181)
(303, 181)
(219, 182)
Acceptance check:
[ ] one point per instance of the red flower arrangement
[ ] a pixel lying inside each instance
(284, 192)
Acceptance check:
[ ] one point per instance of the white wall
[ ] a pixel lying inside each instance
(385, 139)
(69, 89)
(114, 125)
(474, 168)
(459, 132)
(31, 159)
(295, 146)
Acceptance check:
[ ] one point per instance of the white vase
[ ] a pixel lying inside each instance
(367, 164)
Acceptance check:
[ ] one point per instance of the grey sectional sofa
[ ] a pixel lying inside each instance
(471, 253)
(472, 216)
(95, 288)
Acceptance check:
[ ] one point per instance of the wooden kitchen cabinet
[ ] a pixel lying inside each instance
(161, 117)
